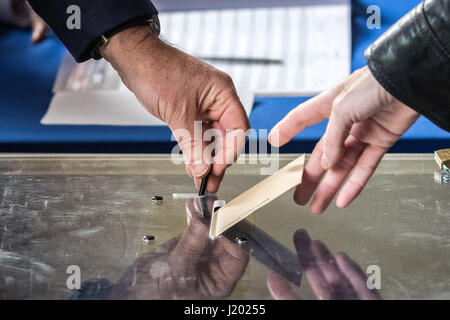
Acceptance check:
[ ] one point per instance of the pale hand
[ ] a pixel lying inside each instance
(364, 122)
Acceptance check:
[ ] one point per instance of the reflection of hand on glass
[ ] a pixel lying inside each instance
(331, 278)
(190, 267)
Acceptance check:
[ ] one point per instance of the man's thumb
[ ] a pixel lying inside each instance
(193, 147)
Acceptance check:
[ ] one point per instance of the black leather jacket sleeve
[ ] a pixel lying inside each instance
(97, 17)
(412, 60)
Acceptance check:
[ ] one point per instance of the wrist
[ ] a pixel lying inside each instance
(125, 42)
(124, 48)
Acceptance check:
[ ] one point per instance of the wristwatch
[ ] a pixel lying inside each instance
(152, 23)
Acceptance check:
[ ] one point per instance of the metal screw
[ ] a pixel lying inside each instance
(241, 240)
(446, 168)
(157, 199)
(148, 238)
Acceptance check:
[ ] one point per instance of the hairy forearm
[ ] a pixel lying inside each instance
(124, 48)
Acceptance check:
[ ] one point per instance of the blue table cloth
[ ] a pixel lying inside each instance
(27, 74)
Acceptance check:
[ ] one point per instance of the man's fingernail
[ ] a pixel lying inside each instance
(199, 170)
(325, 163)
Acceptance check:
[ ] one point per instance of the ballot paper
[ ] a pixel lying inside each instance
(256, 197)
(271, 51)
(268, 51)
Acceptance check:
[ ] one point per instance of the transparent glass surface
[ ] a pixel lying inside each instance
(93, 211)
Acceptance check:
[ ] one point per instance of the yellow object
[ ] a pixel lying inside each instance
(442, 158)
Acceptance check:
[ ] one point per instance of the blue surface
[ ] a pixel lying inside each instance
(28, 73)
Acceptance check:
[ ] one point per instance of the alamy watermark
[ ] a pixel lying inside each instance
(222, 147)
(374, 20)
(73, 282)
(73, 21)
(374, 279)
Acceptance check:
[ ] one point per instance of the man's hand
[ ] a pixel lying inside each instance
(180, 89)
(364, 122)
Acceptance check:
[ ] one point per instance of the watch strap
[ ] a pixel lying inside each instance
(102, 42)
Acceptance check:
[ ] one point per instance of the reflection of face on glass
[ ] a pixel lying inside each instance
(331, 278)
(189, 267)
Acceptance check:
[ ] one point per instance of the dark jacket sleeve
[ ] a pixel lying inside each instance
(97, 17)
(412, 60)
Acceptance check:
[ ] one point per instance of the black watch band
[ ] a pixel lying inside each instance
(152, 23)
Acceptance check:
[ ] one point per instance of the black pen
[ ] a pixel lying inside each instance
(202, 190)
(233, 60)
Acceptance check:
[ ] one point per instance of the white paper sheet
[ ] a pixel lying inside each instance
(105, 107)
(312, 42)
